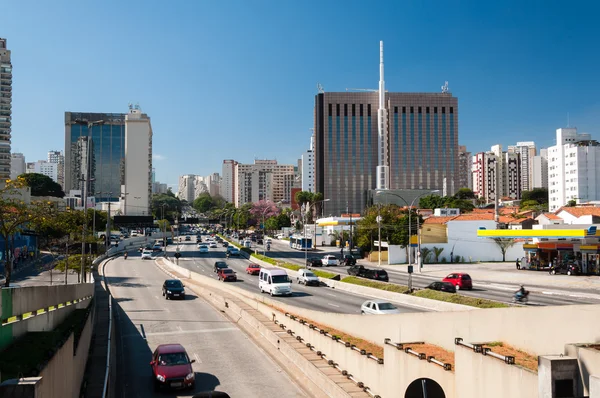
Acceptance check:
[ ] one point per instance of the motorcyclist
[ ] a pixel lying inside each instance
(521, 293)
(125, 255)
(268, 247)
(227, 255)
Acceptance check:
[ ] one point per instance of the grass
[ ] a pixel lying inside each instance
(458, 299)
(435, 351)
(293, 267)
(29, 354)
(522, 358)
(265, 259)
(374, 284)
(323, 274)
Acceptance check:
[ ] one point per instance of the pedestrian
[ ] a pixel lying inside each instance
(518, 264)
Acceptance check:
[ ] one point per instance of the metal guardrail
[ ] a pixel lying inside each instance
(330, 362)
(487, 351)
(406, 348)
(28, 315)
(110, 318)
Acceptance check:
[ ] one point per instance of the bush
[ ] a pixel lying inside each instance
(74, 263)
(323, 274)
(265, 258)
(458, 299)
(293, 267)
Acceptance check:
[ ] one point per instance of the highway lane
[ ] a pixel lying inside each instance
(280, 250)
(226, 358)
(311, 297)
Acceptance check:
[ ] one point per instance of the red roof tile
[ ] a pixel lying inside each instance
(581, 211)
(438, 220)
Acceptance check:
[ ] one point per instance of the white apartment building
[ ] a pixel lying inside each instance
(263, 180)
(228, 180)
(496, 174)
(5, 109)
(213, 183)
(539, 172)
(527, 152)
(308, 168)
(17, 165)
(45, 168)
(186, 188)
(59, 158)
(138, 163)
(573, 169)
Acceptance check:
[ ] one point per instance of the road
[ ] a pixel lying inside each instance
(280, 250)
(317, 298)
(226, 358)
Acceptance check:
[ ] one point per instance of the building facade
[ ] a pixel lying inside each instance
(43, 167)
(185, 189)
(138, 163)
(5, 109)
(527, 153)
(96, 151)
(465, 177)
(263, 180)
(59, 158)
(17, 165)
(539, 173)
(496, 175)
(421, 145)
(308, 167)
(228, 180)
(573, 169)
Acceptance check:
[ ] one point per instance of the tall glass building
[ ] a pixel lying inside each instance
(97, 152)
(422, 145)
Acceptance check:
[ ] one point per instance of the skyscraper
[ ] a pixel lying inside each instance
(527, 152)
(540, 170)
(228, 182)
(496, 174)
(263, 180)
(464, 168)
(43, 167)
(101, 149)
(308, 168)
(58, 158)
(17, 165)
(5, 109)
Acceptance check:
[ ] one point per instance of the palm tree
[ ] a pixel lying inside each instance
(436, 252)
(425, 254)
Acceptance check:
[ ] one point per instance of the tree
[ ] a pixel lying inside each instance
(394, 226)
(203, 203)
(172, 206)
(42, 185)
(464, 193)
(540, 195)
(263, 209)
(504, 244)
(163, 225)
(437, 251)
(425, 254)
(572, 203)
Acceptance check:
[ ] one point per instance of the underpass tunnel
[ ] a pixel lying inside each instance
(424, 388)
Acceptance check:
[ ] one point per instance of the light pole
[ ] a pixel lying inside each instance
(410, 226)
(164, 227)
(379, 231)
(409, 230)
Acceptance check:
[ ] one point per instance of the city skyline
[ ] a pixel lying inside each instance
(503, 66)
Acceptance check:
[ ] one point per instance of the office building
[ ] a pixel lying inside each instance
(496, 175)
(190, 187)
(17, 165)
(383, 140)
(527, 152)
(138, 163)
(213, 183)
(539, 172)
(95, 151)
(573, 169)
(308, 167)
(228, 181)
(263, 180)
(464, 168)
(59, 158)
(43, 167)
(5, 109)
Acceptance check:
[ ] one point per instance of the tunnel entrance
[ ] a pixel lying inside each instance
(424, 388)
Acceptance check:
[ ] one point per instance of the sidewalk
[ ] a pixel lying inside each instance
(44, 263)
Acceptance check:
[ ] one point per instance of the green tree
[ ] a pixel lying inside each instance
(437, 251)
(425, 254)
(203, 203)
(540, 195)
(504, 244)
(394, 226)
(42, 185)
(432, 202)
(170, 203)
(572, 203)
(464, 193)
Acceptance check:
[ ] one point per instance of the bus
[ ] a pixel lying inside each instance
(300, 243)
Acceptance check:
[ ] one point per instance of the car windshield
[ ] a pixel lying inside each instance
(280, 279)
(466, 278)
(386, 306)
(254, 266)
(228, 271)
(310, 274)
(176, 358)
(173, 284)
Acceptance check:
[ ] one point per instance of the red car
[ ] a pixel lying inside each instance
(226, 274)
(171, 367)
(460, 281)
(253, 269)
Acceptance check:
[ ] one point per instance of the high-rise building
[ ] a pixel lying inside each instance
(496, 175)
(308, 167)
(43, 167)
(539, 171)
(5, 109)
(527, 152)
(263, 180)
(573, 169)
(213, 183)
(17, 165)
(186, 188)
(95, 142)
(58, 158)
(228, 182)
(383, 140)
(138, 163)
(464, 168)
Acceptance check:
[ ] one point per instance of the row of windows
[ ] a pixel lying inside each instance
(396, 108)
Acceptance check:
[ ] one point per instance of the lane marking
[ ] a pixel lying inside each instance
(198, 360)
(179, 332)
(179, 327)
(334, 305)
(331, 294)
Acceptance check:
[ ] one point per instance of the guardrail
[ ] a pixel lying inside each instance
(407, 349)
(28, 315)
(487, 351)
(110, 318)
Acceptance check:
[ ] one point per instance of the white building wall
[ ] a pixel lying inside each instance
(539, 172)
(138, 163)
(228, 181)
(45, 168)
(17, 165)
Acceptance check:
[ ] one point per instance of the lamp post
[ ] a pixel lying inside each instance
(379, 232)
(410, 226)
(164, 226)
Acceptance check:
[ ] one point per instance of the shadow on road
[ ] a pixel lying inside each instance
(123, 281)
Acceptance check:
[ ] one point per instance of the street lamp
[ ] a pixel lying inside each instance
(264, 229)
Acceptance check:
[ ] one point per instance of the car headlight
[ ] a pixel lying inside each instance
(168, 291)
(190, 376)
(160, 378)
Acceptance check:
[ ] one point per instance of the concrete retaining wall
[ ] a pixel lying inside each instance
(589, 363)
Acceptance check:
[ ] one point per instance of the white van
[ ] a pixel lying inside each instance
(274, 281)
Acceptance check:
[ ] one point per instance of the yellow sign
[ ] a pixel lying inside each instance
(531, 233)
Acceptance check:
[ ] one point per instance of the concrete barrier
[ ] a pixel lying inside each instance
(589, 364)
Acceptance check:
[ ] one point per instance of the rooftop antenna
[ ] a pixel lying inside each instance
(320, 88)
(445, 87)
(130, 105)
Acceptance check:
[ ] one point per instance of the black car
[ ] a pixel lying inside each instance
(225, 243)
(565, 269)
(314, 262)
(348, 260)
(375, 274)
(259, 241)
(173, 288)
(358, 270)
(220, 265)
(442, 287)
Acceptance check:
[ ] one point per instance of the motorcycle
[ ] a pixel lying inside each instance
(521, 298)
(125, 256)
(268, 247)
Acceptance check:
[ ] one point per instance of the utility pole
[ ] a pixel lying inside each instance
(66, 261)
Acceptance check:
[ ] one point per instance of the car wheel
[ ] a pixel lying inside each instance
(305, 283)
(553, 272)
(271, 293)
(166, 296)
(457, 287)
(362, 312)
(569, 273)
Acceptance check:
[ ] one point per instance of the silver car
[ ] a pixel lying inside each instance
(306, 277)
(378, 307)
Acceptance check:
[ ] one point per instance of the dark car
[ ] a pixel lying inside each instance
(375, 274)
(173, 288)
(565, 269)
(259, 241)
(172, 368)
(442, 287)
(220, 265)
(226, 275)
(358, 270)
(348, 260)
(225, 243)
(314, 262)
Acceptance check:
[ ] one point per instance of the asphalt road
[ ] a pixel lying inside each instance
(281, 250)
(226, 358)
(317, 298)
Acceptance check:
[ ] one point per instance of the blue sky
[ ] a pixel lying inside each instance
(237, 79)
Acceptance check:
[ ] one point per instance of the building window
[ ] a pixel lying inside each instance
(403, 109)
(412, 109)
(330, 109)
(435, 109)
(419, 110)
(451, 109)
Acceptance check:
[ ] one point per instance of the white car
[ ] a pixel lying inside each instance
(212, 245)
(147, 255)
(203, 248)
(330, 260)
(378, 307)
(306, 277)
